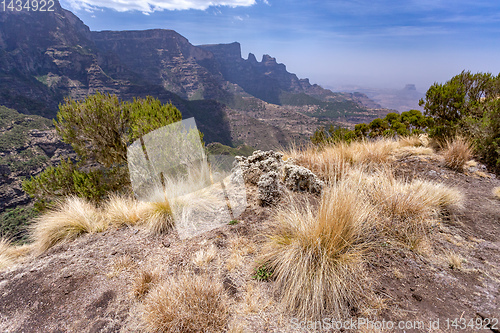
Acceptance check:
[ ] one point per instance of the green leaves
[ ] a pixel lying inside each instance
(99, 129)
(468, 104)
(406, 123)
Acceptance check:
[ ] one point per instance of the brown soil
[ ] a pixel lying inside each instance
(86, 285)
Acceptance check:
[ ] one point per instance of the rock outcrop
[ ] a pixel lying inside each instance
(271, 175)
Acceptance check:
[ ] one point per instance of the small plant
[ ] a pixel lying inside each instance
(263, 273)
(457, 153)
(68, 220)
(186, 303)
(143, 282)
(233, 222)
(496, 192)
(454, 260)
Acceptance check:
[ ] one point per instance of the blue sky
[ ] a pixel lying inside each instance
(366, 43)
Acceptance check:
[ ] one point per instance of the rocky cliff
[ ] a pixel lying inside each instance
(45, 56)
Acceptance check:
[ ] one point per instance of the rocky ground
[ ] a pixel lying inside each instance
(87, 285)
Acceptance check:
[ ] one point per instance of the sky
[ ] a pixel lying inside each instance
(382, 44)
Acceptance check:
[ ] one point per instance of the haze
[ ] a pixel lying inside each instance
(339, 43)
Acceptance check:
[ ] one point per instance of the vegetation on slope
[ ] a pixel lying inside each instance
(468, 105)
(99, 130)
(14, 128)
(316, 252)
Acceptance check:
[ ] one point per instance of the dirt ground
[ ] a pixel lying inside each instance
(86, 285)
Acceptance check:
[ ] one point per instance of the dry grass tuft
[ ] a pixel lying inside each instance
(457, 153)
(7, 258)
(454, 260)
(496, 192)
(413, 141)
(122, 263)
(71, 218)
(316, 256)
(156, 216)
(143, 281)
(121, 211)
(187, 303)
(335, 160)
(406, 210)
(203, 257)
(254, 302)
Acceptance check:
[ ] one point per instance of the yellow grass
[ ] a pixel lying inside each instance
(333, 161)
(496, 192)
(121, 211)
(204, 257)
(143, 281)
(187, 303)
(156, 216)
(316, 254)
(7, 257)
(72, 217)
(454, 260)
(406, 209)
(457, 153)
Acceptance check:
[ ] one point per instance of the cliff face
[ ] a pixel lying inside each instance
(264, 80)
(165, 58)
(43, 57)
(46, 56)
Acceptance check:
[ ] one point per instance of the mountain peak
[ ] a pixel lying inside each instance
(231, 50)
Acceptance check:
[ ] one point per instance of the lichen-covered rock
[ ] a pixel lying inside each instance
(270, 188)
(259, 163)
(271, 174)
(298, 178)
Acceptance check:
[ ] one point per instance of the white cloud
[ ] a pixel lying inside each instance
(149, 6)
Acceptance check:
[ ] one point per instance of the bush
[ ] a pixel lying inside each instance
(405, 124)
(468, 105)
(456, 153)
(13, 222)
(99, 130)
(187, 303)
(315, 257)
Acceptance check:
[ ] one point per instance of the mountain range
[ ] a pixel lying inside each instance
(48, 56)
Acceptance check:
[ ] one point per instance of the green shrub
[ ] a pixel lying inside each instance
(404, 124)
(14, 222)
(263, 273)
(468, 105)
(99, 129)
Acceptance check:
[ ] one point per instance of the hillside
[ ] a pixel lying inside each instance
(45, 57)
(28, 144)
(112, 281)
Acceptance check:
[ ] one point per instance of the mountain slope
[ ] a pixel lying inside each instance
(47, 56)
(92, 284)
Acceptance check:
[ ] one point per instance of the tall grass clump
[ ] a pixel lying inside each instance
(456, 153)
(143, 282)
(69, 219)
(157, 216)
(121, 211)
(7, 255)
(316, 254)
(336, 159)
(406, 209)
(496, 192)
(187, 303)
